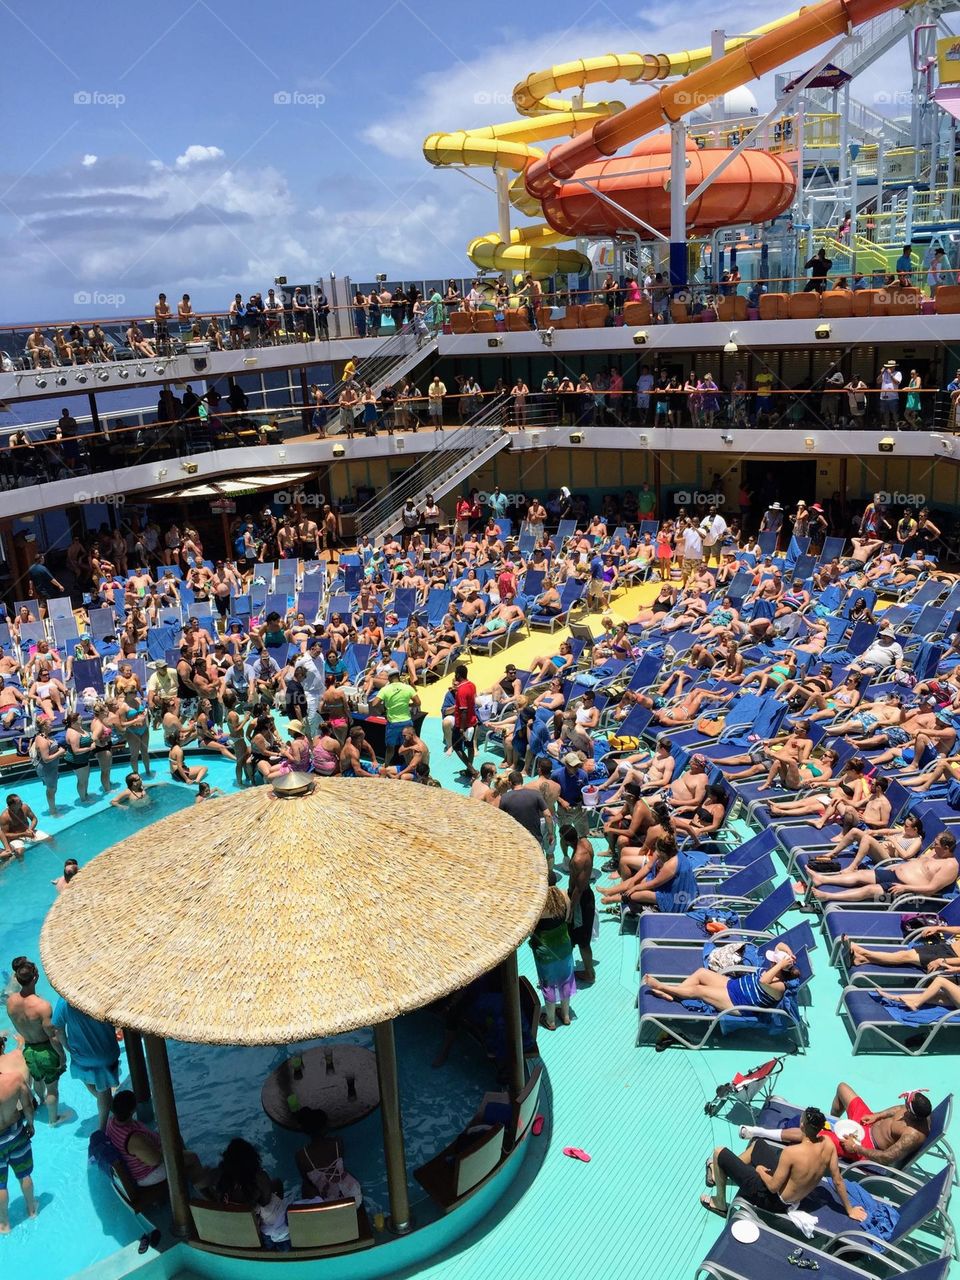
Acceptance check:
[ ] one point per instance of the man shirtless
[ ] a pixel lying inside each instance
(928, 875)
(18, 823)
(583, 905)
(32, 1018)
(890, 1137)
(685, 793)
(351, 756)
(16, 1130)
(482, 788)
(775, 1178)
(414, 751)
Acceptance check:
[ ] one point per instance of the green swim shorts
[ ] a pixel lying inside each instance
(44, 1062)
(15, 1153)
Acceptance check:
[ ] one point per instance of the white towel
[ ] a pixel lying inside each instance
(803, 1221)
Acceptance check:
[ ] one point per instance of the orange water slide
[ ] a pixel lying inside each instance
(783, 45)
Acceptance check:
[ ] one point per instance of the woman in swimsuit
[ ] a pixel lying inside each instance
(707, 818)
(265, 749)
(869, 809)
(79, 746)
(850, 784)
(751, 991)
(236, 724)
(552, 664)
(888, 842)
(326, 752)
(131, 719)
(208, 735)
(101, 731)
(48, 693)
(666, 599)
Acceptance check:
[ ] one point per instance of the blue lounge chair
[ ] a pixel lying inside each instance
(769, 1256)
(693, 1029)
(869, 1020)
(777, 1113)
(678, 961)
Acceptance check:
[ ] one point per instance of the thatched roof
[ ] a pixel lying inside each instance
(256, 920)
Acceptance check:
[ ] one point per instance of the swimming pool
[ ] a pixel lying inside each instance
(81, 1221)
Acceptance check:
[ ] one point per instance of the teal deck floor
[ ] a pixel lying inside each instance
(634, 1208)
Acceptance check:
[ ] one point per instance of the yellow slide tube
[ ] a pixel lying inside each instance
(511, 146)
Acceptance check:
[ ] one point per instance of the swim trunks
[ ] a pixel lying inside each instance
(15, 1153)
(886, 878)
(43, 1062)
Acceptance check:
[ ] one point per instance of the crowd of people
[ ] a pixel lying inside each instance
(609, 744)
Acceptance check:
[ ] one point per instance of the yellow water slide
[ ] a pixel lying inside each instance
(508, 148)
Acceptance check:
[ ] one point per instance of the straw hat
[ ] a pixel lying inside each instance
(257, 920)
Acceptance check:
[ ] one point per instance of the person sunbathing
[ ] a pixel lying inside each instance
(928, 875)
(890, 1136)
(850, 784)
(946, 769)
(870, 809)
(841, 700)
(793, 748)
(707, 817)
(804, 685)
(685, 709)
(936, 955)
(773, 1178)
(753, 990)
(889, 842)
(656, 873)
(797, 775)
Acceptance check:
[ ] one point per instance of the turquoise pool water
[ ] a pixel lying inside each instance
(218, 1090)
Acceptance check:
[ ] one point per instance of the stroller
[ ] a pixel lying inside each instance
(745, 1086)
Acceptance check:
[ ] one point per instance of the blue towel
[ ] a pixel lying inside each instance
(683, 888)
(729, 918)
(881, 1220)
(909, 1017)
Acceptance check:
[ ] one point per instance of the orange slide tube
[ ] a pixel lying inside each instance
(808, 29)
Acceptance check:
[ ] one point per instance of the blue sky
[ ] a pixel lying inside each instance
(205, 147)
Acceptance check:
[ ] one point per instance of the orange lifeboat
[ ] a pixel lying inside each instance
(754, 188)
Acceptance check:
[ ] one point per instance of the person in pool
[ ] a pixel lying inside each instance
(16, 1131)
(206, 792)
(32, 1018)
(133, 794)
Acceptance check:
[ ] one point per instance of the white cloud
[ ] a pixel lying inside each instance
(474, 92)
(198, 155)
(88, 161)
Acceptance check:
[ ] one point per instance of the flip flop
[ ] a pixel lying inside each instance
(708, 1176)
(575, 1153)
(707, 1202)
(537, 1127)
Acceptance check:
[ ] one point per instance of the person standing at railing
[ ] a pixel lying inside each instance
(321, 308)
(519, 392)
(435, 313)
(936, 271)
(432, 515)
(161, 324)
(235, 321)
(370, 410)
(435, 393)
(348, 401)
(819, 267)
(360, 313)
(374, 314)
(904, 266)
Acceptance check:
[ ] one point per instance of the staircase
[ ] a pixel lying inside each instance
(455, 456)
(389, 362)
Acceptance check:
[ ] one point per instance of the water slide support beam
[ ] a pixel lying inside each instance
(678, 205)
(780, 106)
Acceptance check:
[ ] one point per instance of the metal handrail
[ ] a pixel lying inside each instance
(449, 448)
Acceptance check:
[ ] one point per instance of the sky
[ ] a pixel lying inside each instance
(206, 147)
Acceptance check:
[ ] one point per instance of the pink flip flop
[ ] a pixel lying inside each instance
(576, 1154)
(537, 1127)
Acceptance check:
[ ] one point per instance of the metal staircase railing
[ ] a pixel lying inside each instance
(454, 454)
(391, 359)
